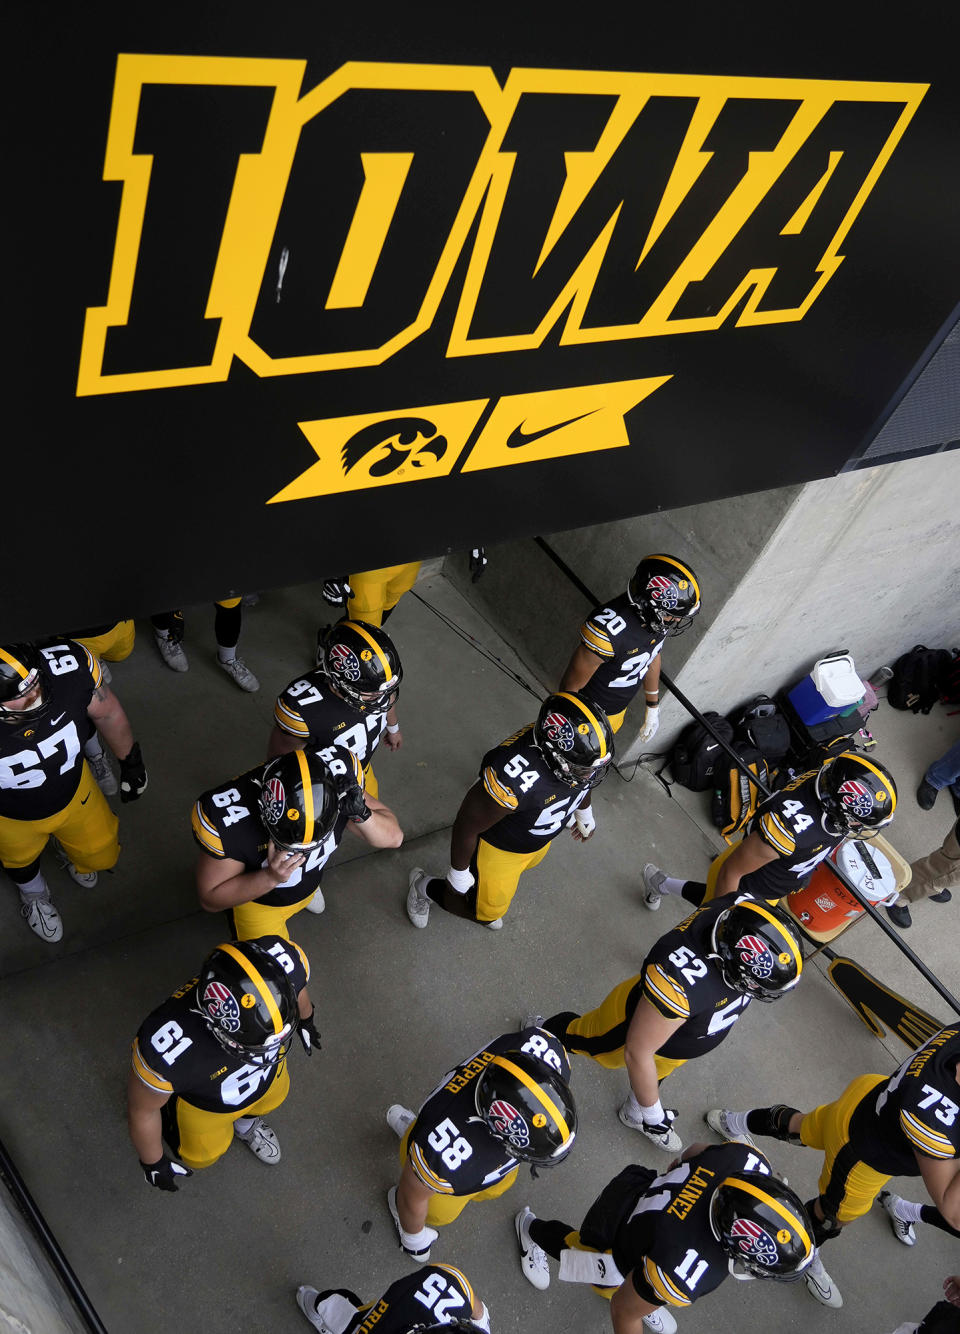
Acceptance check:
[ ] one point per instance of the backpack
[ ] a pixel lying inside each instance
(761, 725)
(950, 685)
(695, 756)
(735, 796)
(918, 678)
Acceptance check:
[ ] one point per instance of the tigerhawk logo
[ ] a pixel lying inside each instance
(302, 230)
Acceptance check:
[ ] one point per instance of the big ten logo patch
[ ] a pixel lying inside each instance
(318, 229)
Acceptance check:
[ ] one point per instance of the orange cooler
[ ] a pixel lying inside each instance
(825, 907)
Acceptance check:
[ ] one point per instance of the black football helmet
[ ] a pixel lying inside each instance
(362, 664)
(763, 1226)
(665, 593)
(758, 950)
(248, 1001)
(858, 795)
(299, 803)
(527, 1107)
(23, 671)
(575, 737)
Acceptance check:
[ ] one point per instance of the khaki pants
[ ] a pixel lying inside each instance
(938, 870)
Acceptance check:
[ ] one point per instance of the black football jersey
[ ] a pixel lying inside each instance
(175, 1052)
(666, 1240)
(617, 635)
(451, 1150)
(917, 1110)
(681, 981)
(310, 710)
(41, 759)
(790, 822)
(226, 823)
(436, 1294)
(538, 805)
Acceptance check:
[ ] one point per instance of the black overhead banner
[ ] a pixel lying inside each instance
(301, 291)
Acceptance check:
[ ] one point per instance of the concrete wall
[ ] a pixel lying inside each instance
(31, 1299)
(868, 561)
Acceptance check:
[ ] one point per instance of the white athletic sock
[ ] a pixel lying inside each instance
(907, 1211)
(161, 634)
(243, 1124)
(226, 654)
(737, 1123)
(672, 885)
(37, 888)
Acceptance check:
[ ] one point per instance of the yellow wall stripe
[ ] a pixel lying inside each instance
(308, 812)
(537, 1092)
(592, 717)
(258, 982)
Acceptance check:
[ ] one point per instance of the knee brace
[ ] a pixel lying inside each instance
(774, 1121)
(826, 1228)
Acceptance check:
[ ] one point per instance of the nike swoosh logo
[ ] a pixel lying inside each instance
(519, 436)
(54, 721)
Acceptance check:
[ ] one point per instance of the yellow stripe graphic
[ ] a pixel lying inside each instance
(537, 1092)
(931, 1141)
(308, 814)
(15, 663)
(765, 912)
(259, 983)
(146, 1074)
(500, 794)
(365, 634)
(592, 718)
(789, 1218)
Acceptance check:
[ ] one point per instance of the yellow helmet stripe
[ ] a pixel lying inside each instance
(259, 983)
(883, 777)
(309, 814)
(775, 1205)
(765, 912)
(15, 663)
(365, 634)
(592, 717)
(537, 1092)
(684, 570)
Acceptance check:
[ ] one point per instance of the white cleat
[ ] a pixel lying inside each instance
(86, 879)
(495, 925)
(104, 776)
(261, 1141)
(239, 672)
(821, 1286)
(399, 1118)
(307, 1301)
(418, 905)
(661, 1321)
(904, 1232)
(533, 1259)
(653, 878)
(717, 1121)
(171, 651)
(42, 918)
(667, 1139)
(318, 902)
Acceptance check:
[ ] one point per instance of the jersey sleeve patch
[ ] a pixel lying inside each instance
(498, 790)
(928, 1141)
(205, 833)
(289, 718)
(148, 1076)
(596, 639)
(774, 832)
(665, 993)
(663, 1286)
(426, 1174)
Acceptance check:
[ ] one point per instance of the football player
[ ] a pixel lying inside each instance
(49, 698)
(531, 786)
(793, 830)
(168, 630)
(651, 1242)
(508, 1103)
(695, 984)
(436, 1300)
(211, 1060)
(266, 836)
(349, 700)
(620, 643)
(372, 595)
(879, 1127)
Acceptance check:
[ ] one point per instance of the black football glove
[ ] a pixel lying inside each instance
(133, 775)
(308, 1033)
(478, 562)
(337, 591)
(163, 1173)
(352, 801)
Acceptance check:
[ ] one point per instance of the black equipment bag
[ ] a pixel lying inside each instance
(918, 678)
(761, 725)
(695, 755)
(736, 796)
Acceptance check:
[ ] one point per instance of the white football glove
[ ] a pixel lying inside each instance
(650, 723)
(585, 822)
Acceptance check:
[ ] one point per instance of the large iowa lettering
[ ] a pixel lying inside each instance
(319, 230)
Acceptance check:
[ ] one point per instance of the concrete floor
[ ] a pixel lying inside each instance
(397, 1007)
